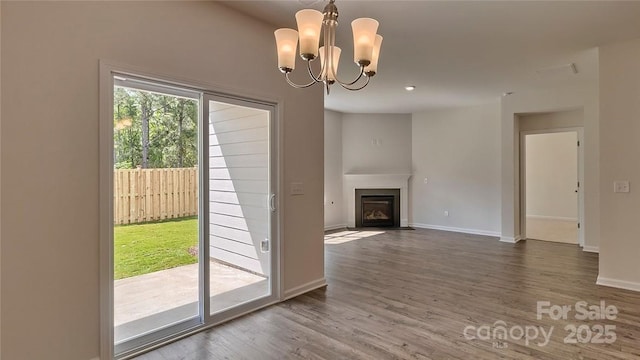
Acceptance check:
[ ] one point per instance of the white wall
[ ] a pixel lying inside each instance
(551, 120)
(551, 175)
(333, 202)
(376, 143)
(458, 151)
(50, 53)
(620, 160)
(581, 92)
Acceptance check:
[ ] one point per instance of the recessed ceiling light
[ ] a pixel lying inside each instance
(410, 87)
(507, 93)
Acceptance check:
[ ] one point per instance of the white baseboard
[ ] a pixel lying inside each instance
(299, 290)
(620, 284)
(591, 249)
(510, 240)
(558, 218)
(455, 229)
(335, 227)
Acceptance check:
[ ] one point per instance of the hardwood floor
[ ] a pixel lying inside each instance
(411, 294)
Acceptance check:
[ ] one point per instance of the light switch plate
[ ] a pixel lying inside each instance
(621, 186)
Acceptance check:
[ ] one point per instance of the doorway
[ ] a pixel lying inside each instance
(192, 225)
(551, 194)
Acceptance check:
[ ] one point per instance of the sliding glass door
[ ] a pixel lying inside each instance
(240, 203)
(156, 214)
(194, 210)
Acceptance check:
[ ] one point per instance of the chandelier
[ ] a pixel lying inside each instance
(366, 47)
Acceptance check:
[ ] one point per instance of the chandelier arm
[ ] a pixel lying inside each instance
(354, 81)
(286, 75)
(346, 86)
(326, 36)
(316, 79)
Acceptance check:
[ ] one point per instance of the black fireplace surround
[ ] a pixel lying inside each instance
(377, 208)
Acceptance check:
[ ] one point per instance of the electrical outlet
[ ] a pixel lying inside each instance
(297, 188)
(446, 213)
(264, 245)
(621, 186)
(426, 181)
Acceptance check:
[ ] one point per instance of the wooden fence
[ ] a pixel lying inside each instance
(142, 195)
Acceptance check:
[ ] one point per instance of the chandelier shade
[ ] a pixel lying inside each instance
(287, 43)
(330, 70)
(309, 29)
(364, 35)
(373, 66)
(311, 25)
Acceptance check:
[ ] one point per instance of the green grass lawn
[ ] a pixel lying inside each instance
(145, 248)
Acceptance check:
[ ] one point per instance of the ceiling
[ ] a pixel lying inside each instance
(459, 53)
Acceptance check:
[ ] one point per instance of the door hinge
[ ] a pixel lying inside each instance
(578, 225)
(578, 143)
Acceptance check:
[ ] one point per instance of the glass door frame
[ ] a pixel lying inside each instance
(272, 203)
(108, 72)
(165, 331)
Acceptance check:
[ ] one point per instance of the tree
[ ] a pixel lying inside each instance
(152, 130)
(126, 132)
(145, 112)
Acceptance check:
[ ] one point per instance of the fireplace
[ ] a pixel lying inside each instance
(377, 208)
(376, 182)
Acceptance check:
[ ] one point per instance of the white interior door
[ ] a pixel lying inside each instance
(551, 185)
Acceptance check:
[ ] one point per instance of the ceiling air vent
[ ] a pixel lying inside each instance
(560, 71)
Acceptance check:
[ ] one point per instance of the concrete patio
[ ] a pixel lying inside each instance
(147, 302)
